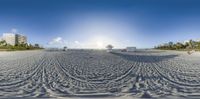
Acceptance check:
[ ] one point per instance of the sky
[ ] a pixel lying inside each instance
(96, 23)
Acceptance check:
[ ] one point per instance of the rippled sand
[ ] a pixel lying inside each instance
(98, 74)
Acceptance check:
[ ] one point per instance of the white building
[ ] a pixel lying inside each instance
(1, 38)
(198, 40)
(9, 38)
(109, 50)
(130, 49)
(14, 39)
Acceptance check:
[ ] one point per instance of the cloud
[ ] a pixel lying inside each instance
(57, 41)
(76, 42)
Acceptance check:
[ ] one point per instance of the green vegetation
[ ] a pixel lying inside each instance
(23, 46)
(190, 45)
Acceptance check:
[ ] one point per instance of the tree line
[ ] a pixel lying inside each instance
(190, 45)
(23, 46)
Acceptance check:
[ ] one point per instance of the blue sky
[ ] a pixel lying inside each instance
(96, 23)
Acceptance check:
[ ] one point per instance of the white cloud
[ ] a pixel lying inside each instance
(94, 43)
(59, 41)
(76, 42)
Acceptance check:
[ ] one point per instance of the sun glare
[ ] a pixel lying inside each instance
(99, 44)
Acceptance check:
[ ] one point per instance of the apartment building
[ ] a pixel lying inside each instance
(14, 39)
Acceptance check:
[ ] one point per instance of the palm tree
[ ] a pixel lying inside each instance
(170, 45)
(179, 45)
(191, 44)
(198, 45)
(191, 47)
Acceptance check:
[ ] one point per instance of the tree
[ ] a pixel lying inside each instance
(22, 44)
(198, 45)
(3, 43)
(170, 44)
(191, 44)
(179, 45)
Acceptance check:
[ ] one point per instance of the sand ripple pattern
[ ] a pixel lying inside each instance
(90, 73)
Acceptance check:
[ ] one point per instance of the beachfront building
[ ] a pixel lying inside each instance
(130, 49)
(1, 39)
(9, 38)
(21, 39)
(14, 39)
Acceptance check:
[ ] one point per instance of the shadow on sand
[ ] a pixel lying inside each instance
(144, 58)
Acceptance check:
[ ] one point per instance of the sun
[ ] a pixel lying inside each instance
(99, 44)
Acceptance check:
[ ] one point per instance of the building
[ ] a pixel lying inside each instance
(197, 40)
(21, 39)
(9, 38)
(130, 49)
(14, 39)
(109, 50)
(1, 38)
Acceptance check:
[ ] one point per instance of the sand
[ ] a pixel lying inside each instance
(97, 74)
